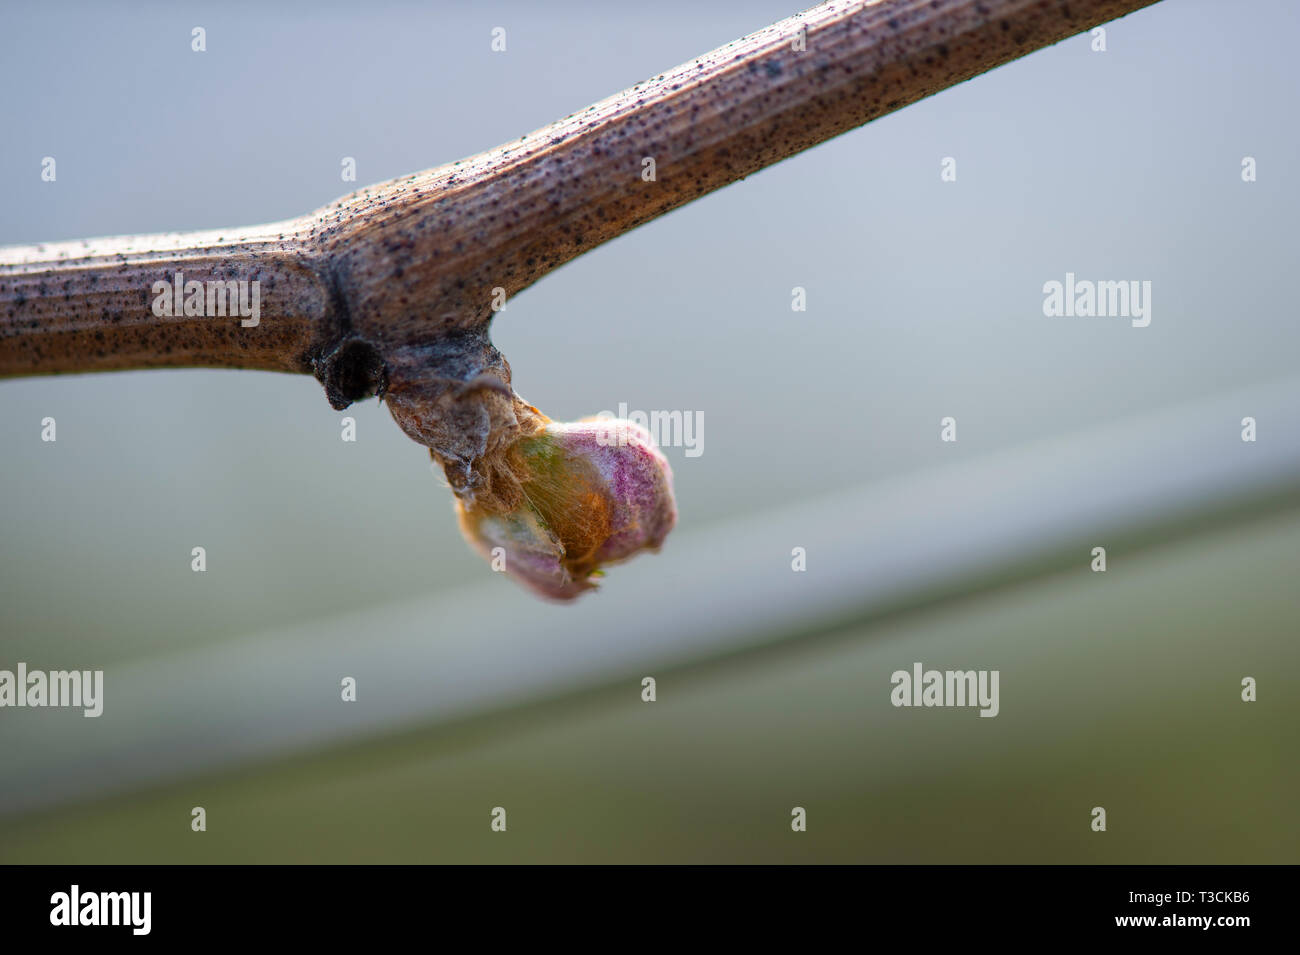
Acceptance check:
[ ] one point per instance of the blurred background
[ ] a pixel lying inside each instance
(820, 429)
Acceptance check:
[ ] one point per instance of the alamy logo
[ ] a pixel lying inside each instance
(102, 908)
(83, 688)
(668, 429)
(1088, 299)
(923, 687)
(215, 299)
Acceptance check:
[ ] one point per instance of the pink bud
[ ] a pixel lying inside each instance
(594, 492)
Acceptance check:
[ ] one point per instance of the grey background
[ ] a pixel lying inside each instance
(924, 301)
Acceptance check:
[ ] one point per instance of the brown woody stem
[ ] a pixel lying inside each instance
(390, 290)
